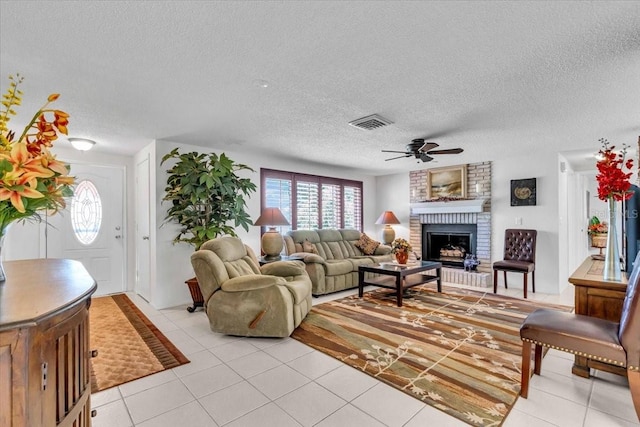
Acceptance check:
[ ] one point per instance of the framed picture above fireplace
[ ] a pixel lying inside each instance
(448, 182)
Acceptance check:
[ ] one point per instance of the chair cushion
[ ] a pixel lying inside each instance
(241, 267)
(587, 336)
(367, 245)
(508, 265)
(227, 248)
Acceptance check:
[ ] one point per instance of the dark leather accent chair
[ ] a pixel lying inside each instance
(590, 337)
(519, 257)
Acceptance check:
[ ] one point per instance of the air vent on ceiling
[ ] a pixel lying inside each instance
(371, 122)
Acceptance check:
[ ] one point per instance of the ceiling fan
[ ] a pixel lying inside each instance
(422, 150)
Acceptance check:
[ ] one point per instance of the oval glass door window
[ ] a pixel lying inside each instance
(86, 212)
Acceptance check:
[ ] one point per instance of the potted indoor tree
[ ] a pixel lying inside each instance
(207, 200)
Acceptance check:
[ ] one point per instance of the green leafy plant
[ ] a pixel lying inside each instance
(207, 196)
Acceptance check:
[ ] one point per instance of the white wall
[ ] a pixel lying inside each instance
(393, 195)
(544, 217)
(172, 262)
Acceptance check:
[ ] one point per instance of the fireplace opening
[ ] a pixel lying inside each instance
(448, 243)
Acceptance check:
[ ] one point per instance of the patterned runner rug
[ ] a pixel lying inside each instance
(458, 351)
(129, 345)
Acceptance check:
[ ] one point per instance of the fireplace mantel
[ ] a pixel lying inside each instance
(453, 206)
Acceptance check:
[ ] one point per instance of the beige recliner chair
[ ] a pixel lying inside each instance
(242, 298)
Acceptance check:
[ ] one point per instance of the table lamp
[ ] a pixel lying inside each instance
(388, 233)
(272, 243)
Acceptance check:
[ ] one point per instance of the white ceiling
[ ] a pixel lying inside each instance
(495, 78)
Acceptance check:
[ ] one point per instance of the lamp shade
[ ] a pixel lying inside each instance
(388, 217)
(271, 217)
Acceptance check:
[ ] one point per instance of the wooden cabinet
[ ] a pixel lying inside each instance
(597, 298)
(44, 344)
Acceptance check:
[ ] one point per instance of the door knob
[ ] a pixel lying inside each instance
(118, 236)
(145, 237)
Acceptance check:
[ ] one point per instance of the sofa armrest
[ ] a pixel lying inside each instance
(382, 250)
(283, 268)
(251, 282)
(309, 257)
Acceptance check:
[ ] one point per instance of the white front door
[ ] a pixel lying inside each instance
(91, 228)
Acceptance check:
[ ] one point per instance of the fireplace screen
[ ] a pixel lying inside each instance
(448, 243)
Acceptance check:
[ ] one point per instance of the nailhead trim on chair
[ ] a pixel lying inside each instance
(579, 353)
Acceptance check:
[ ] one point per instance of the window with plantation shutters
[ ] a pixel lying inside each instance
(307, 205)
(277, 192)
(352, 209)
(331, 206)
(310, 201)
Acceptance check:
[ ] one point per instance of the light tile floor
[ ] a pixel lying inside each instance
(246, 382)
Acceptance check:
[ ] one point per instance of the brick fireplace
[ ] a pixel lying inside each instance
(458, 225)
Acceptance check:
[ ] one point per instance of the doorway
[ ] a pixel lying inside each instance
(91, 227)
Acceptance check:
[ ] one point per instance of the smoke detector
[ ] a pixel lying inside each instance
(371, 122)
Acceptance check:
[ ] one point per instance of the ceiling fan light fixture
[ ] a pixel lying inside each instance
(425, 158)
(82, 144)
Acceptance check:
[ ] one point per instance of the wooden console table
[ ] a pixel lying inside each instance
(597, 298)
(44, 344)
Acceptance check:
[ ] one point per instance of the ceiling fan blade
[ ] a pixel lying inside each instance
(399, 157)
(428, 146)
(449, 151)
(425, 158)
(393, 151)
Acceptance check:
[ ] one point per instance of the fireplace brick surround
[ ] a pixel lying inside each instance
(478, 187)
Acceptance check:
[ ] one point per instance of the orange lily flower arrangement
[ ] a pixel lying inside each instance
(31, 178)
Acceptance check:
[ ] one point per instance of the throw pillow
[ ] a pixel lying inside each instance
(367, 245)
(307, 246)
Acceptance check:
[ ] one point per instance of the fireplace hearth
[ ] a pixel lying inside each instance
(448, 243)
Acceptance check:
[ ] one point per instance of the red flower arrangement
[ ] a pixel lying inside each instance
(613, 182)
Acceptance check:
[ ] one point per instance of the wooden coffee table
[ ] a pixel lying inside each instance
(400, 277)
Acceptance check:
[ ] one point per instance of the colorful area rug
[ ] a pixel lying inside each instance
(458, 351)
(129, 345)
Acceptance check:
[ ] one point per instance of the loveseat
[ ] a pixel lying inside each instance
(332, 257)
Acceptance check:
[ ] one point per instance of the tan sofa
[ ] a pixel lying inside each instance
(331, 257)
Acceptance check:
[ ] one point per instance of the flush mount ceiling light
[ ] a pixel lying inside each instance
(82, 144)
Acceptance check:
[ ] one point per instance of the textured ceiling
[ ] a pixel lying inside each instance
(495, 78)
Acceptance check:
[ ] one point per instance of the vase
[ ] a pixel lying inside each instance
(3, 233)
(612, 271)
(402, 257)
